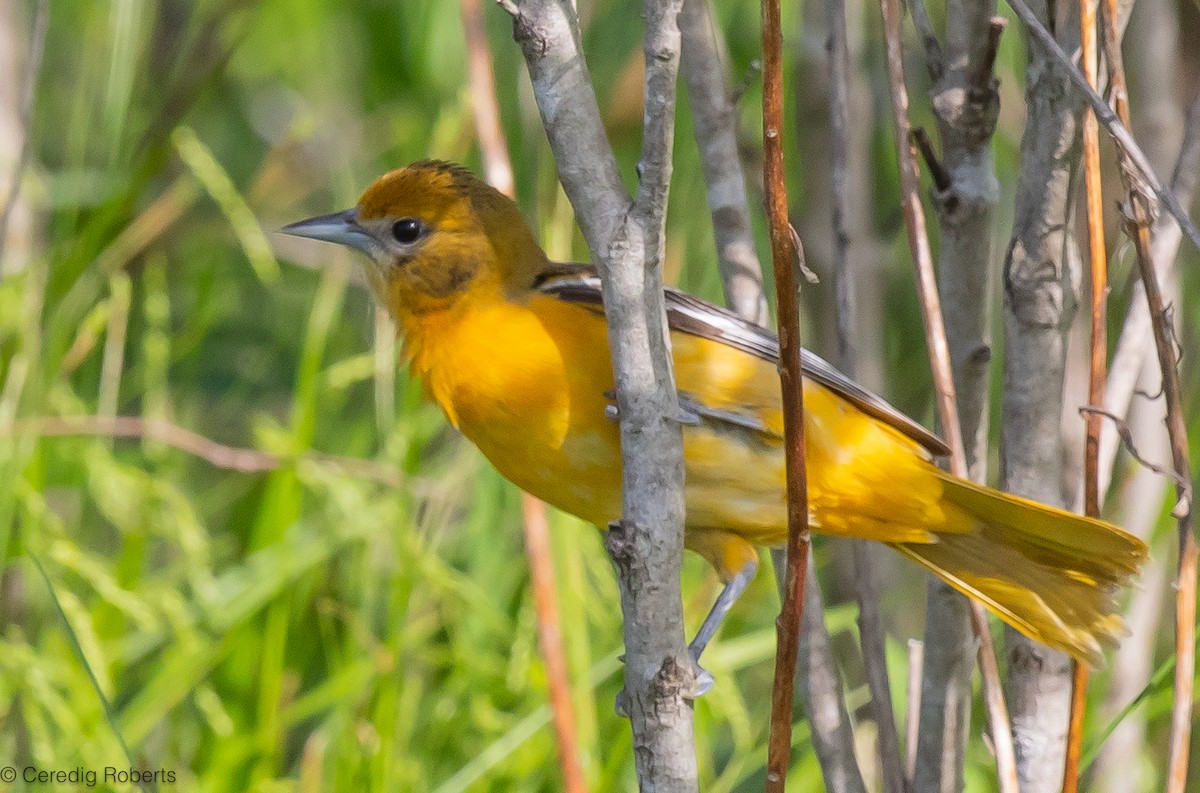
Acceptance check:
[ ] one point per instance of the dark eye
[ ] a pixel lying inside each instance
(407, 230)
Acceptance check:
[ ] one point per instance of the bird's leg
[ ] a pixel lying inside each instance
(712, 623)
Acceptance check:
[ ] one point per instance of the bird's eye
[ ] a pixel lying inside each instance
(407, 230)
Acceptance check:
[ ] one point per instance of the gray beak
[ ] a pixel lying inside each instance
(340, 227)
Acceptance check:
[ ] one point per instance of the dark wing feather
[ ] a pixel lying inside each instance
(578, 283)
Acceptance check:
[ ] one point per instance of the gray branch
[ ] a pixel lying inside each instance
(714, 117)
(965, 103)
(863, 554)
(1038, 307)
(626, 241)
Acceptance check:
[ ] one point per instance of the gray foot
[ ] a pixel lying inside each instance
(704, 681)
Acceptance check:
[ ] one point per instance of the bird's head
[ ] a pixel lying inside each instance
(435, 234)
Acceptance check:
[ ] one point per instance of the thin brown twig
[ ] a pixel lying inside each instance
(550, 641)
(535, 526)
(218, 455)
(1126, 435)
(787, 257)
(918, 241)
(1099, 261)
(1140, 170)
(939, 354)
(1135, 339)
(1096, 367)
(704, 70)
(1185, 602)
(1185, 656)
(496, 165)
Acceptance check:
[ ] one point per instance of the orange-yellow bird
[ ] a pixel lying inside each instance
(514, 349)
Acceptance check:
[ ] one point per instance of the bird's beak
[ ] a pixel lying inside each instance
(340, 227)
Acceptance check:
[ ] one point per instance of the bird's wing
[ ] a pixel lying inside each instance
(579, 284)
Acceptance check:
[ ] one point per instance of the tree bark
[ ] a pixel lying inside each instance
(838, 221)
(626, 239)
(714, 118)
(965, 103)
(1038, 306)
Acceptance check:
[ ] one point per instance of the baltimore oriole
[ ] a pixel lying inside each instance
(514, 349)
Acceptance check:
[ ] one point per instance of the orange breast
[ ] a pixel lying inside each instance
(526, 384)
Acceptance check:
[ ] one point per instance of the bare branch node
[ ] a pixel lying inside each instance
(985, 80)
(671, 684)
(525, 30)
(618, 541)
(1146, 395)
(981, 354)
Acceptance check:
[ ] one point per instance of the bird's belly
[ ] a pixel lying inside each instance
(727, 485)
(734, 484)
(573, 466)
(730, 485)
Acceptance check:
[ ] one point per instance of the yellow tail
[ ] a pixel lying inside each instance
(1048, 573)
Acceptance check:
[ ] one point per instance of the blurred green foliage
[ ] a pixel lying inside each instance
(357, 617)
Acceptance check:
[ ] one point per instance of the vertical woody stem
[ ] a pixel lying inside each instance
(785, 259)
(819, 689)
(1164, 343)
(872, 636)
(1097, 365)
(939, 359)
(714, 117)
(965, 99)
(626, 238)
